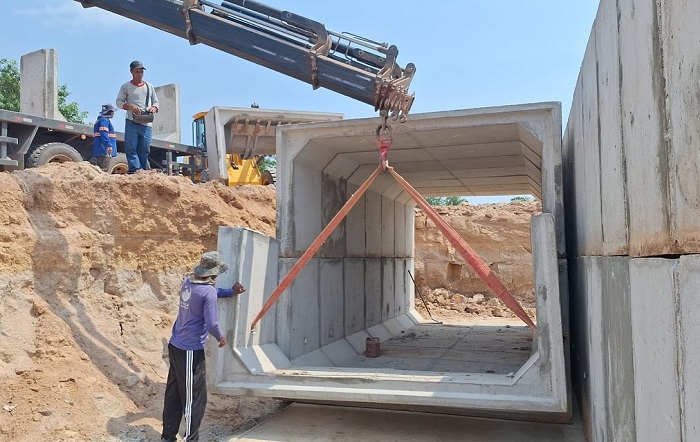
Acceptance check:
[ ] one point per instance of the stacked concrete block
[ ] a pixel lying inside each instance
(631, 185)
(167, 122)
(39, 84)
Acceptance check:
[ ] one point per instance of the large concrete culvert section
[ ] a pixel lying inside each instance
(310, 345)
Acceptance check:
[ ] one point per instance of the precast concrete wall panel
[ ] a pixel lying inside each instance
(577, 178)
(254, 259)
(401, 211)
(596, 369)
(612, 161)
(355, 226)
(580, 360)
(689, 307)
(592, 224)
(333, 191)
(305, 311)
(373, 292)
(354, 301)
(387, 227)
(602, 357)
(547, 281)
(617, 360)
(648, 123)
(373, 226)
(388, 293)
(308, 187)
(569, 186)
(643, 128)
(655, 353)
(401, 305)
(681, 52)
(167, 122)
(39, 84)
(283, 319)
(332, 300)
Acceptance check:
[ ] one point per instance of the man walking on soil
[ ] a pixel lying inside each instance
(186, 389)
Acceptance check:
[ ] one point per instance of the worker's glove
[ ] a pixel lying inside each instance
(238, 288)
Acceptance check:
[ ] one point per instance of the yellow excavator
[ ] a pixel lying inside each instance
(243, 138)
(239, 170)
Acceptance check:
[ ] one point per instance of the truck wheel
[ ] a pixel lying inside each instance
(52, 153)
(118, 165)
(267, 178)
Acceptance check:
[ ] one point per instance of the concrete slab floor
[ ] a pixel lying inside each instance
(310, 423)
(497, 345)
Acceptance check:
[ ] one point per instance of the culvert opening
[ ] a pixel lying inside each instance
(363, 266)
(459, 325)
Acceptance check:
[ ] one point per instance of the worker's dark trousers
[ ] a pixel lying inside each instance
(185, 393)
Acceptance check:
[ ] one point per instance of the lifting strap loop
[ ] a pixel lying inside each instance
(384, 142)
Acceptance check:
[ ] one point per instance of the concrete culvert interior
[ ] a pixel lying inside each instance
(311, 344)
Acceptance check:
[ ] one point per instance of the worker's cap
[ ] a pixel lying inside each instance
(107, 109)
(136, 65)
(210, 265)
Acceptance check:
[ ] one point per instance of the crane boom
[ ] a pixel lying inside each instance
(285, 42)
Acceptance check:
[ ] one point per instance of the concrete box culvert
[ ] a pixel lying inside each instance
(309, 345)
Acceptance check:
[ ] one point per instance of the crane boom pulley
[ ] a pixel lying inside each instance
(288, 43)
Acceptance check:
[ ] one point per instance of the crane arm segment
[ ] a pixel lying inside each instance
(288, 43)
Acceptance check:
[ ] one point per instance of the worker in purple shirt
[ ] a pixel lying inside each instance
(186, 389)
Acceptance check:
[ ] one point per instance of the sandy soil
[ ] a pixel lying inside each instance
(90, 265)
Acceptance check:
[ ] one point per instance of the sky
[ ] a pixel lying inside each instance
(468, 54)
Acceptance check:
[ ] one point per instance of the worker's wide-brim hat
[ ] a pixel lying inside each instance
(210, 265)
(107, 109)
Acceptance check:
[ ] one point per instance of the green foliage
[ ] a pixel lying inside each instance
(269, 163)
(9, 93)
(70, 110)
(520, 198)
(9, 85)
(445, 200)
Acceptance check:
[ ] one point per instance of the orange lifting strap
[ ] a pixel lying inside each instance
(479, 266)
(469, 255)
(318, 242)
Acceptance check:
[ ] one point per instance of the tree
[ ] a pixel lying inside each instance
(9, 85)
(9, 93)
(269, 163)
(445, 200)
(520, 198)
(70, 110)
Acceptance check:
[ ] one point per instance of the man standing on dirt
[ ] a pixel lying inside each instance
(104, 145)
(186, 388)
(140, 102)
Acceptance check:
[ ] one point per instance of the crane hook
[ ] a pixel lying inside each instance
(385, 137)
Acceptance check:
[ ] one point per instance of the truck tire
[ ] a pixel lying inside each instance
(52, 153)
(118, 165)
(267, 178)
